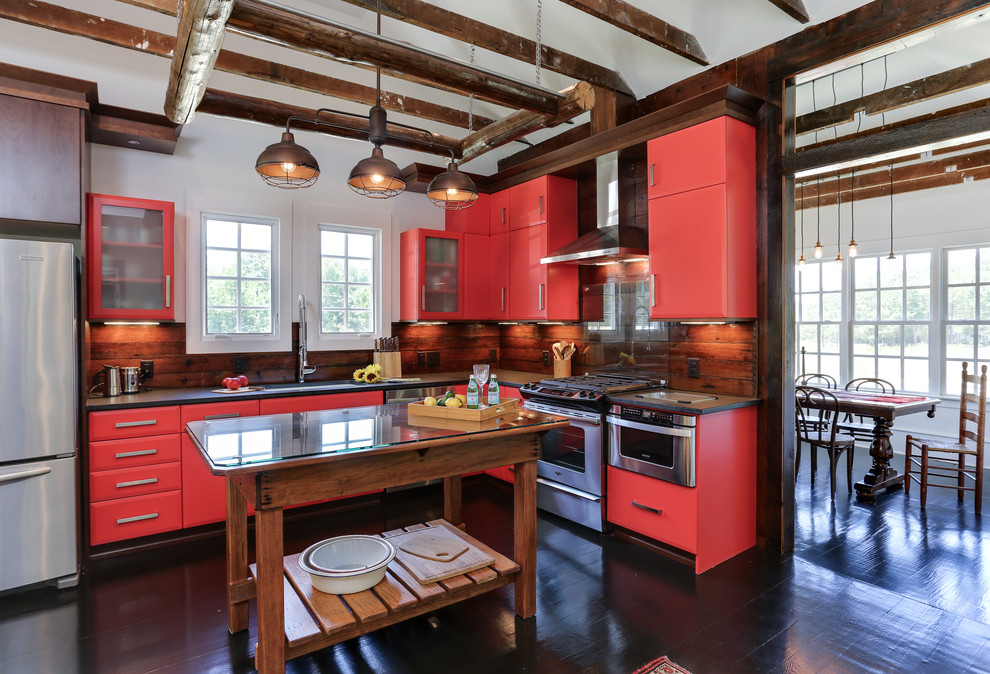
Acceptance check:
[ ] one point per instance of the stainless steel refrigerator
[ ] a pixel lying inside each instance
(38, 396)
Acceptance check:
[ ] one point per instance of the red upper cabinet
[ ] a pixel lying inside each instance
(698, 156)
(498, 267)
(539, 291)
(703, 236)
(130, 250)
(471, 220)
(498, 212)
(544, 199)
(432, 271)
(477, 277)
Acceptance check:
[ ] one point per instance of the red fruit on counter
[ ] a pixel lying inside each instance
(243, 379)
(224, 381)
(233, 383)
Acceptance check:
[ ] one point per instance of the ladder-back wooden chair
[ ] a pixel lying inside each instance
(817, 413)
(947, 459)
(817, 380)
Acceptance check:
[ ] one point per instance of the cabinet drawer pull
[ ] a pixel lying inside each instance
(541, 204)
(135, 483)
(228, 415)
(653, 290)
(137, 518)
(168, 291)
(541, 297)
(503, 298)
(422, 299)
(646, 507)
(137, 452)
(503, 215)
(131, 424)
(651, 176)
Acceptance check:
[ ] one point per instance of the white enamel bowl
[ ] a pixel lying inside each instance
(347, 564)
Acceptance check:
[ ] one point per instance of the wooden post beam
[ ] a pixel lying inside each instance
(643, 25)
(578, 98)
(197, 45)
(297, 30)
(793, 8)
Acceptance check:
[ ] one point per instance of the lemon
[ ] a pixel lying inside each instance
(462, 398)
(430, 401)
(453, 402)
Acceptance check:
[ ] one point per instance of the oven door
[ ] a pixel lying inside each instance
(658, 451)
(572, 455)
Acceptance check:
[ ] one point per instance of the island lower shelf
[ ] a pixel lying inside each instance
(315, 620)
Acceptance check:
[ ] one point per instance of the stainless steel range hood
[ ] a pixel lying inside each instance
(611, 241)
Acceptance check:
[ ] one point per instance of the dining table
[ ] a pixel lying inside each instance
(883, 408)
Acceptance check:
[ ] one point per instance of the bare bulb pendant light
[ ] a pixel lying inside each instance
(890, 172)
(801, 260)
(818, 219)
(838, 218)
(853, 250)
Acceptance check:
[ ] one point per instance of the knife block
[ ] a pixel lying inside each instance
(561, 368)
(391, 362)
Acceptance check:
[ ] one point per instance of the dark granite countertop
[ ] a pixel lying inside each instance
(672, 403)
(184, 396)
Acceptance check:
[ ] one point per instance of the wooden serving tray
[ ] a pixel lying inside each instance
(508, 406)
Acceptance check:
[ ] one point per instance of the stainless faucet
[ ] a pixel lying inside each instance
(303, 370)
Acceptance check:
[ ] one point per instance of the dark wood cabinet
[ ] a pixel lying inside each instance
(41, 165)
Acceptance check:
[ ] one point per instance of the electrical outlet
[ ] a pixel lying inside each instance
(433, 358)
(240, 364)
(546, 359)
(421, 358)
(694, 367)
(492, 354)
(147, 369)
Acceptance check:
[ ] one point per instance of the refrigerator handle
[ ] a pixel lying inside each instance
(25, 474)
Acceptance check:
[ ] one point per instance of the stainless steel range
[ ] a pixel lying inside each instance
(570, 470)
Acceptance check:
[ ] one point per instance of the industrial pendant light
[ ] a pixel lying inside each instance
(853, 250)
(818, 218)
(801, 260)
(452, 190)
(287, 165)
(838, 218)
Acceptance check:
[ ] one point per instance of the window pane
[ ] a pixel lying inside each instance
(866, 305)
(866, 272)
(916, 340)
(892, 273)
(919, 269)
(221, 233)
(961, 304)
(890, 369)
(333, 321)
(810, 279)
(359, 271)
(808, 338)
(984, 265)
(959, 341)
(333, 269)
(864, 339)
(918, 304)
(864, 367)
(830, 339)
(333, 295)
(256, 294)
(359, 297)
(256, 237)
(360, 245)
(256, 321)
(961, 265)
(832, 307)
(830, 365)
(359, 321)
(256, 265)
(831, 276)
(953, 376)
(221, 262)
(916, 375)
(889, 340)
(349, 296)
(332, 243)
(985, 302)
(891, 305)
(809, 308)
(221, 320)
(221, 293)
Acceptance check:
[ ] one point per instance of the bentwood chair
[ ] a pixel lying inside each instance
(817, 413)
(947, 459)
(817, 380)
(857, 426)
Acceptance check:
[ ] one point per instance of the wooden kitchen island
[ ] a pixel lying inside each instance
(271, 462)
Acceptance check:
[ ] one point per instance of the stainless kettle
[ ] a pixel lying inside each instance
(130, 379)
(110, 383)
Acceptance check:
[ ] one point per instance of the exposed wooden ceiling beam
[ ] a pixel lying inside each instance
(926, 88)
(266, 111)
(73, 22)
(793, 8)
(304, 32)
(579, 98)
(643, 25)
(197, 45)
(946, 125)
(562, 139)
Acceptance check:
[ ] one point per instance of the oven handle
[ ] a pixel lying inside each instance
(557, 412)
(569, 490)
(650, 428)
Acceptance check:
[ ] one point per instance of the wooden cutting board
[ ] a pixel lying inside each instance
(434, 554)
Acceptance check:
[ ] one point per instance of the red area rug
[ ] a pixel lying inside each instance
(661, 666)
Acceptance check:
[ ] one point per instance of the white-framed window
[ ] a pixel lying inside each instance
(891, 319)
(350, 280)
(240, 273)
(966, 317)
(818, 311)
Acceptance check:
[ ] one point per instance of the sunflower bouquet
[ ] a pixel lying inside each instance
(369, 374)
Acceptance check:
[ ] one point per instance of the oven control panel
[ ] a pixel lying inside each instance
(536, 389)
(653, 417)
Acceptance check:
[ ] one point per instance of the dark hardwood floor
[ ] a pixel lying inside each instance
(870, 588)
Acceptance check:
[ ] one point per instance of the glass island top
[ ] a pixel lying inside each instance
(247, 441)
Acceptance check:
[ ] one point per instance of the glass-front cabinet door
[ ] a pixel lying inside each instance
(130, 258)
(433, 275)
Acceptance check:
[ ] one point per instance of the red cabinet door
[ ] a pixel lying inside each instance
(527, 277)
(498, 212)
(658, 509)
(687, 159)
(134, 423)
(477, 277)
(432, 272)
(498, 289)
(528, 203)
(471, 220)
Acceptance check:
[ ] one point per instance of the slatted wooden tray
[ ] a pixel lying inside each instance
(507, 406)
(315, 620)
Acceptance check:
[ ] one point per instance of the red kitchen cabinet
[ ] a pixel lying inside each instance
(498, 212)
(498, 288)
(705, 154)
(204, 495)
(477, 277)
(134, 423)
(541, 200)
(714, 520)
(130, 258)
(123, 518)
(539, 291)
(431, 267)
(471, 220)
(329, 401)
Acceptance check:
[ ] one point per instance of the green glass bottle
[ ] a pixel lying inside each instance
(493, 395)
(472, 393)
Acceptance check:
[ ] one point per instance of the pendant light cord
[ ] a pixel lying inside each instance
(890, 171)
(378, 70)
(852, 205)
(838, 215)
(539, 39)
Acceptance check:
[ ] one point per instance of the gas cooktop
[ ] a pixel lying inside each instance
(586, 390)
